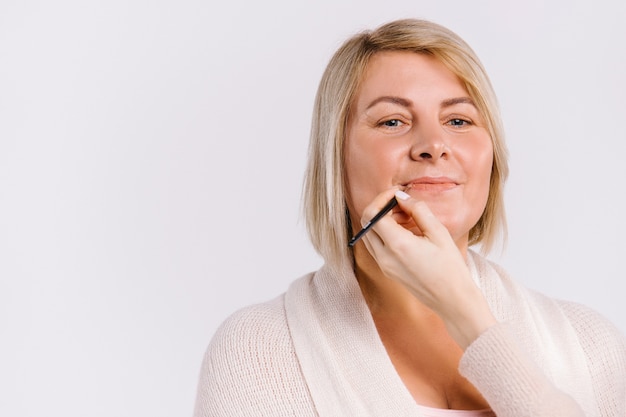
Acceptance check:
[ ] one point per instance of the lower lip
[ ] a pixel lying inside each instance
(431, 187)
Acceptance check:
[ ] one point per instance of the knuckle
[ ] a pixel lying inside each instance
(402, 247)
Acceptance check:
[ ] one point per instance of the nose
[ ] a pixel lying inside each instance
(429, 145)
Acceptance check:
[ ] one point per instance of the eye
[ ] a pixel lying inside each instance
(459, 122)
(456, 122)
(392, 123)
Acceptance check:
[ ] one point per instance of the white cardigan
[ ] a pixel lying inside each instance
(315, 351)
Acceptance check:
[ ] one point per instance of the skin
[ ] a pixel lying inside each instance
(413, 127)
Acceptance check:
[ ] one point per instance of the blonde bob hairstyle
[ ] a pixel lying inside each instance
(324, 199)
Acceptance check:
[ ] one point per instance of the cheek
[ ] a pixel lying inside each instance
(476, 157)
(482, 163)
(370, 168)
(359, 182)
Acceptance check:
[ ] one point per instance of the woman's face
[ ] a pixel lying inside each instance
(413, 124)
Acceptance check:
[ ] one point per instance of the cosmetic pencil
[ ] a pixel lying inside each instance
(391, 204)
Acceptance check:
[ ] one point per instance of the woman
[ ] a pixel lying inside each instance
(410, 321)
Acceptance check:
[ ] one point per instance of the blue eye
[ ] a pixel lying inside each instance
(458, 122)
(392, 123)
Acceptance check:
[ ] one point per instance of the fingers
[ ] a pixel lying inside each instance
(376, 205)
(422, 223)
(425, 220)
(372, 217)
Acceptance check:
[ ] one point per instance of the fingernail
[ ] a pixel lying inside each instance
(402, 195)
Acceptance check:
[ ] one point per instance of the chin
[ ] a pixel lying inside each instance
(459, 231)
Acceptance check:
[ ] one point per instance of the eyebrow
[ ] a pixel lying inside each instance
(408, 103)
(457, 100)
(391, 99)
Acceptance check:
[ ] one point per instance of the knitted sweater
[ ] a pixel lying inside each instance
(315, 351)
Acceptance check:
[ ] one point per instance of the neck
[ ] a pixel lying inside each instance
(384, 295)
(381, 293)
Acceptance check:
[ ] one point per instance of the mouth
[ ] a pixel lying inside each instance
(430, 184)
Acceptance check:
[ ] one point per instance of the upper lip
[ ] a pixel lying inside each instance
(430, 180)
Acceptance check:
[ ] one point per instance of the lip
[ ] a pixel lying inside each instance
(432, 184)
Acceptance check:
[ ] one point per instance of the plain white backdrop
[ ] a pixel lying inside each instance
(151, 162)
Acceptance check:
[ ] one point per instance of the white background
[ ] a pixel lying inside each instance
(151, 160)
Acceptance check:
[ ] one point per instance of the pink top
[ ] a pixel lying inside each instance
(441, 412)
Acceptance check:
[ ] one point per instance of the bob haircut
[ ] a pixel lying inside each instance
(324, 199)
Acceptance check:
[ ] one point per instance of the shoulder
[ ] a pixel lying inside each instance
(257, 324)
(248, 338)
(250, 366)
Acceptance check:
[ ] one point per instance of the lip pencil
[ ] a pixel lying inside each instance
(391, 204)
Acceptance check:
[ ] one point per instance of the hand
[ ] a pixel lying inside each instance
(422, 256)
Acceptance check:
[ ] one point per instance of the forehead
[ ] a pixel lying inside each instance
(404, 73)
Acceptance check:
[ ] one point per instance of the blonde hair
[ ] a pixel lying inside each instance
(325, 208)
